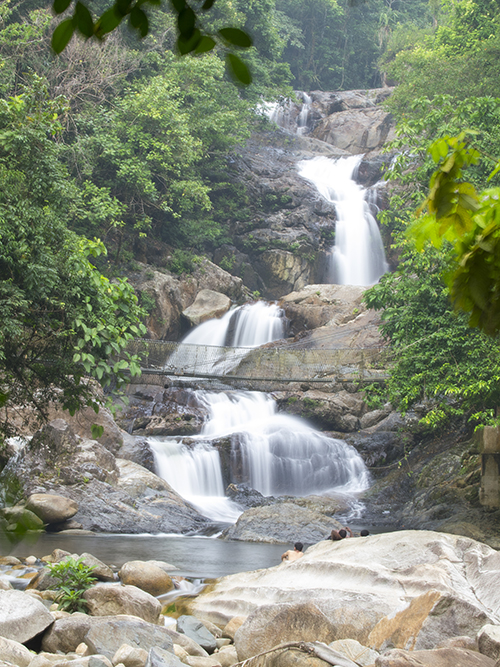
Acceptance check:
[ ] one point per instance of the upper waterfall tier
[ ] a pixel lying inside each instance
(358, 256)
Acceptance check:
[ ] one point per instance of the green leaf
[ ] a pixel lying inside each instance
(188, 45)
(205, 44)
(139, 21)
(238, 69)
(208, 4)
(83, 20)
(62, 34)
(97, 430)
(110, 20)
(186, 21)
(236, 37)
(60, 6)
(178, 5)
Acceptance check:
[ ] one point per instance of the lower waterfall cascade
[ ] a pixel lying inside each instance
(272, 452)
(358, 256)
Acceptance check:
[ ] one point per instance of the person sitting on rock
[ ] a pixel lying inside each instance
(294, 554)
(340, 534)
(364, 533)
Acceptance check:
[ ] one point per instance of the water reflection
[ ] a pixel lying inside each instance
(195, 557)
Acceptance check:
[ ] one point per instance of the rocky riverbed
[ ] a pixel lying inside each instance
(405, 599)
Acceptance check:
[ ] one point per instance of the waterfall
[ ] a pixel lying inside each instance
(274, 453)
(247, 326)
(358, 256)
(286, 113)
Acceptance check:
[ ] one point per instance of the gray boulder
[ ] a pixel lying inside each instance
(146, 576)
(15, 652)
(66, 633)
(113, 600)
(158, 657)
(281, 523)
(51, 508)
(195, 630)
(271, 625)
(108, 633)
(207, 305)
(22, 617)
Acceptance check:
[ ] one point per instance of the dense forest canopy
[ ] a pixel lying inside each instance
(124, 141)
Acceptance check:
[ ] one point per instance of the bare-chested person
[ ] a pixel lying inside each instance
(340, 534)
(293, 554)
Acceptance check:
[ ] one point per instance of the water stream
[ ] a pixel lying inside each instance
(358, 256)
(246, 440)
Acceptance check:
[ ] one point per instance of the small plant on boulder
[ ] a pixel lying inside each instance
(74, 579)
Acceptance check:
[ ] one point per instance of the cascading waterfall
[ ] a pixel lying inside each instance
(247, 326)
(274, 453)
(284, 113)
(358, 256)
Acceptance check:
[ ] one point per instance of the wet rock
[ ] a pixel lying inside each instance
(195, 630)
(271, 625)
(335, 412)
(21, 518)
(247, 497)
(283, 523)
(51, 508)
(147, 576)
(22, 617)
(138, 451)
(356, 130)
(112, 600)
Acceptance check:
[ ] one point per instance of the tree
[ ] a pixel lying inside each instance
(62, 321)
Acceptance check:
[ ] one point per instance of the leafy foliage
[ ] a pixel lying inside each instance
(440, 363)
(74, 579)
(62, 320)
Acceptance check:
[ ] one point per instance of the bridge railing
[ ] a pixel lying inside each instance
(264, 363)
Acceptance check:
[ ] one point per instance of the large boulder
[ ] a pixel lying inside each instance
(107, 634)
(51, 508)
(447, 584)
(207, 305)
(341, 411)
(282, 523)
(66, 633)
(114, 600)
(271, 625)
(147, 576)
(22, 617)
(15, 652)
(357, 130)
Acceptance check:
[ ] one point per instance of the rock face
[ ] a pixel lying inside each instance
(409, 589)
(112, 495)
(170, 295)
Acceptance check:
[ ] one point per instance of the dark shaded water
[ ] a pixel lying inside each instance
(197, 557)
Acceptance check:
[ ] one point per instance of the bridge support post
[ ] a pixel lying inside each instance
(489, 443)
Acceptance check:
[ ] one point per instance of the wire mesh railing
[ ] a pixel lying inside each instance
(284, 363)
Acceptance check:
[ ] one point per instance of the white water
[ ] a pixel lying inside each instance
(284, 113)
(247, 326)
(274, 453)
(358, 256)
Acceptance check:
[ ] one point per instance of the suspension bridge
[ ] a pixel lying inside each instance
(270, 363)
